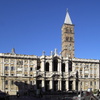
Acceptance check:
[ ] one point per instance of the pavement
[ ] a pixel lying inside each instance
(37, 98)
(25, 98)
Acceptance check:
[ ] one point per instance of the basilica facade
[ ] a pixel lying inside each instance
(57, 72)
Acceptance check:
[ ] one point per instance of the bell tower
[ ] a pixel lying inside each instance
(68, 37)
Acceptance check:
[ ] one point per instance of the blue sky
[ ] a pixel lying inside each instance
(33, 26)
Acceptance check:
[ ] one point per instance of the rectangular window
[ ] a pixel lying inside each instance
(12, 82)
(91, 83)
(94, 83)
(6, 82)
(31, 69)
(6, 67)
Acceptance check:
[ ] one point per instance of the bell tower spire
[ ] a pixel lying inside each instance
(68, 37)
(67, 18)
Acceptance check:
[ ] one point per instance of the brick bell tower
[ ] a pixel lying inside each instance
(68, 37)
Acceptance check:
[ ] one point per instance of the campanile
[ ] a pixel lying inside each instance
(68, 37)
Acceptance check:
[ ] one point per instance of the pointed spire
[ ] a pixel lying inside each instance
(67, 18)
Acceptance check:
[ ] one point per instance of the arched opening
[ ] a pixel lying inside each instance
(70, 66)
(47, 66)
(63, 67)
(55, 64)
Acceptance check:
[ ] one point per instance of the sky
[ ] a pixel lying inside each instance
(34, 26)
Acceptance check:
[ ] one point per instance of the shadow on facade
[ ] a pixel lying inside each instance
(25, 89)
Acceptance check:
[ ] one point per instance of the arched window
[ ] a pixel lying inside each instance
(63, 67)
(67, 38)
(55, 64)
(47, 66)
(71, 39)
(70, 66)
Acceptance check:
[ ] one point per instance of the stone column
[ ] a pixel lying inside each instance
(59, 85)
(51, 66)
(28, 69)
(83, 85)
(9, 67)
(51, 85)
(3, 67)
(43, 85)
(74, 84)
(43, 64)
(15, 67)
(23, 69)
(3, 84)
(67, 85)
(9, 83)
(66, 67)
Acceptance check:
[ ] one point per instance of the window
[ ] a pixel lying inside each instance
(12, 68)
(47, 66)
(12, 82)
(70, 66)
(55, 64)
(12, 74)
(67, 38)
(6, 67)
(94, 83)
(31, 69)
(91, 83)
(6, 82)
(63, 67)
(71, 39)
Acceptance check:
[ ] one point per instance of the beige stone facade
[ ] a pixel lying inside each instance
(57, 72)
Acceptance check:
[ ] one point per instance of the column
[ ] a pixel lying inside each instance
(59, 85)
(89, 72)
(15, 66)
(23, 69)
(51, 85)
(3, 67)
(43, 65)
(74, 84)
(9, 66)
(9, 83)
(83, 85)
(3, 84)
(28, 69)
(51, 66)
(66, 67)
(43, 85)
(97, 84)
(67, 85)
